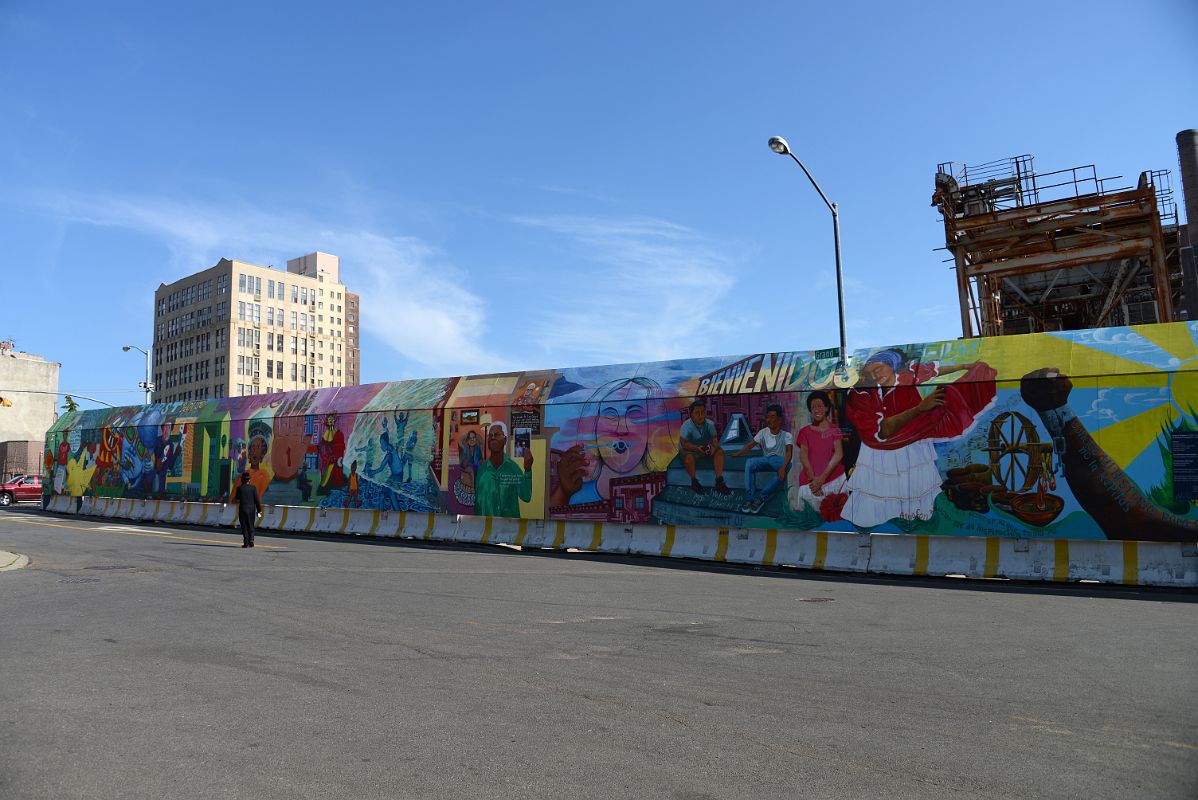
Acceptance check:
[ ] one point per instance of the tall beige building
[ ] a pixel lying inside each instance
(28, 399)
(239, 329)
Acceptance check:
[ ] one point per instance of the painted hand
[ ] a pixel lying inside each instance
(572, 470)
(933, 400)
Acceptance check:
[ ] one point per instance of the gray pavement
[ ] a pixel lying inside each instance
(155, 661)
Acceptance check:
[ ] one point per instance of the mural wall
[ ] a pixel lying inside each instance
(1079, 434)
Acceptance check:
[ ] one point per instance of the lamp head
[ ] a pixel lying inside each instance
(779, 145)
(125, 348)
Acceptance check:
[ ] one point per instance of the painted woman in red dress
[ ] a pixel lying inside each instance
(896, 474)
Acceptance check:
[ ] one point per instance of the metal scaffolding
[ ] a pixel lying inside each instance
(1058, 250)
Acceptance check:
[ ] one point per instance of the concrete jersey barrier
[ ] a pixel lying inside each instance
(1129, 563)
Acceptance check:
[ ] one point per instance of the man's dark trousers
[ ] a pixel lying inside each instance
(247, 526)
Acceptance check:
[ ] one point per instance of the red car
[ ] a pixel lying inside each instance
(27, 487)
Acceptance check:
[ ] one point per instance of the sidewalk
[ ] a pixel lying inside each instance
(12, 560)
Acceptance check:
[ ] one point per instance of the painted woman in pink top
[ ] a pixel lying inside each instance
(820, 453)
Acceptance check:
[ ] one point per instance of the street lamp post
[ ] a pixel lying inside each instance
(147, 384)
(779, 146)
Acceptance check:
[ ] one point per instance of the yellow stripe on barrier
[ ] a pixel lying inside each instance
(283, 521)
(521, 531)
(203, 513)
(432, 520)
(157, 508)
(990, 570)
(771, 544)
(921, 556)
(721, 550)
(560, 538)
(486, 530)
(1131, 563)
(821, 549)
(311, 519)
(596, 537)
(374, 523)
(402, 525)
(1060, 566)
(344, 521)
(669, 545)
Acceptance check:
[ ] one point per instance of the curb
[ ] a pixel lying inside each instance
(12, 561)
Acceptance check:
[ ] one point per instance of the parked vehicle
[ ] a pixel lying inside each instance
(25, 488)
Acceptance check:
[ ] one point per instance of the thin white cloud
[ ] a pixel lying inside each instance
(413, 301)
(636, 289)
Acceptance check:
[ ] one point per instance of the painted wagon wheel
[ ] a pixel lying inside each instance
(1015, 452)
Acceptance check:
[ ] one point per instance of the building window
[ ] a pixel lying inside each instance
(270, 289)
(241, 283)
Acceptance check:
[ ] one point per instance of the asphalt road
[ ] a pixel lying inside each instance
(148, 662)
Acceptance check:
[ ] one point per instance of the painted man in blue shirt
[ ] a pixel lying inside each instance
(700, 441)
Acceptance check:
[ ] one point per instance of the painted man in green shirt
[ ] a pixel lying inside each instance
(500, 483)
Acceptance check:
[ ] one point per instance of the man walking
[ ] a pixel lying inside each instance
(249, 508)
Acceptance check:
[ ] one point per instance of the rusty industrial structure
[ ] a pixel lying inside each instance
(1061, 250)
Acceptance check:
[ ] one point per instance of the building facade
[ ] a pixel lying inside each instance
(239, 329)
(28, 391)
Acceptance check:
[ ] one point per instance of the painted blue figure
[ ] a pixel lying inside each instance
(409, 455)
(392, 459)
(133, 465)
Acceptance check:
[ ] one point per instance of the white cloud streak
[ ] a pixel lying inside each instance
(635, 289)
(412, 299)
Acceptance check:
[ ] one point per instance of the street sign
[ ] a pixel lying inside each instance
(829, 352)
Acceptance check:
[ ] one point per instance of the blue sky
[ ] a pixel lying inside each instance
(530, 185)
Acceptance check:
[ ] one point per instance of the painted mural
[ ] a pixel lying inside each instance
(1079, 434)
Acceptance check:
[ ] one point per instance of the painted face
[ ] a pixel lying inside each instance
(819, 410)
(496, 440)
(621, 428)
(773, 421)
(471, 439)
(877, 374)
(257, 451)
(699, 415)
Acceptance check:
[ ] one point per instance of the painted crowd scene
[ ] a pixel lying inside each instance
(1077, 434)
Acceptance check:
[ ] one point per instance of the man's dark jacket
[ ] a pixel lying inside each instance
(247, 498)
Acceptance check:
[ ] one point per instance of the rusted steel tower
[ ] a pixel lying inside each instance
(1058, 250)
